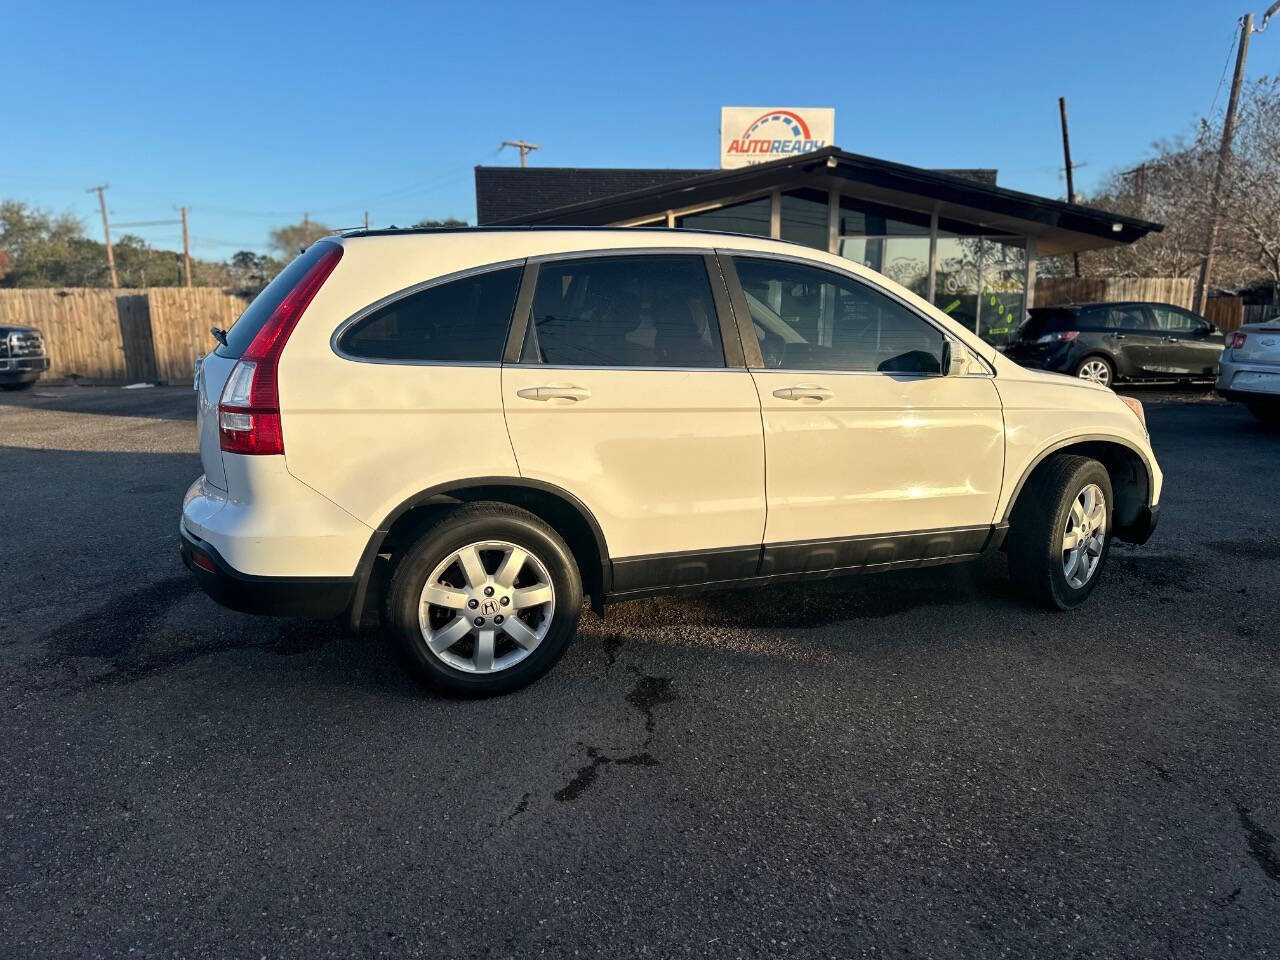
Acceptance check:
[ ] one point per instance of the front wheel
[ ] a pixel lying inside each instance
(1096, 369)
(1060, 531)
(18, 385)
(486, 600)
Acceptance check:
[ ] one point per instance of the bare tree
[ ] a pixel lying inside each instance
(1252, 238)
(1174, 187)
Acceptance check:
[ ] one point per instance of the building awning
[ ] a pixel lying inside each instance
(1058, 227)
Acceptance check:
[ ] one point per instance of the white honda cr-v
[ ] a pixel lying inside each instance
(472, 430)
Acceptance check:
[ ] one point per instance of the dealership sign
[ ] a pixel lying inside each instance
(759, 134)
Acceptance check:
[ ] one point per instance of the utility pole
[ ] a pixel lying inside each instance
(186, 249)
(106, 234)
(1066, 156)
(366, 219)
(1224, 157)
(523, 147)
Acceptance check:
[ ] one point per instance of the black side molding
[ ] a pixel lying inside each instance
(800, 560)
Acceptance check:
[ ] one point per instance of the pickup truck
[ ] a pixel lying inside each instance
(22, 357)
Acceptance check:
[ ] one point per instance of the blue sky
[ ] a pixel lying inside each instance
(252, 114)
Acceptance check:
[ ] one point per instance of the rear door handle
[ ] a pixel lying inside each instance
(569, 393)
(1118, 336)
(805, 391)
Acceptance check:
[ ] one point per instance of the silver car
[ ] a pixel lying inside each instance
(1249, 371)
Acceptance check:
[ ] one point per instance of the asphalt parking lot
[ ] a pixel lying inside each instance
(909, 764)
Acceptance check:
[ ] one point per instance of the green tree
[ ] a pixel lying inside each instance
(43, 250)
(292, 239)
(446, 222)
(250, 271)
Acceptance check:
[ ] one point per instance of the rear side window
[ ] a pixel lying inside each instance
(264, 304)
(1174, 320)
(640, 311)
(1114, 318)
(459, 321)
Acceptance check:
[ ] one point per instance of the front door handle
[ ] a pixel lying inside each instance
(1169, 339)
(805, 391)
(569, 393)
(1118, 336)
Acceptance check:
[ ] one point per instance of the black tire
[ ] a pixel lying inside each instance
(1098, 358)
(474, 523)
(20, 385)
(1037, 525)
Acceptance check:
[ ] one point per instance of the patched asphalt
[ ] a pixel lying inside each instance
(911, 764)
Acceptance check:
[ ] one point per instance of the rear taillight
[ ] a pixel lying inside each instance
(1236, 340)
(1059, 337)
(249, 410)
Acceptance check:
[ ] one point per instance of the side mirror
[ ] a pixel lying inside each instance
(955, 359)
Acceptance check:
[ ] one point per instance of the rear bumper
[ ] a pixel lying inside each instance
(274, 596)
(1057, 358)
(1245, 382)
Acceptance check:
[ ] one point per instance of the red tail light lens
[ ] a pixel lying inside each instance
(249, 409)
(1236, 340)
(1059, 337)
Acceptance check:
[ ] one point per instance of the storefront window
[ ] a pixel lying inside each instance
(1004, 287)
(957, 278)
(751, 217)
(904, 260)
(804, 218)
(982, 283)
(861, 218)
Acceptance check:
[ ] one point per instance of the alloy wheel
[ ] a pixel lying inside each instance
(486, 606)
(1095, 371)
(1085, 536)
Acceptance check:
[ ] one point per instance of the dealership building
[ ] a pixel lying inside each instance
(954, 237)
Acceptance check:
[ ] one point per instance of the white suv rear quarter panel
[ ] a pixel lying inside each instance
(370, 435)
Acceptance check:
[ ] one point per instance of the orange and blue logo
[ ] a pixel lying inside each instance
(777, 133)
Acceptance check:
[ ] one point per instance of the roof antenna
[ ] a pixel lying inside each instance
(523, 147)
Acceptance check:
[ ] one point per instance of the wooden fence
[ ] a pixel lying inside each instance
(1053, 291)
(1226, 313)
(119, 336)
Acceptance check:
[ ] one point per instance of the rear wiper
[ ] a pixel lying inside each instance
(219, 334)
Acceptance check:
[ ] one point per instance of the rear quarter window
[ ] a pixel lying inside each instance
(458, 321)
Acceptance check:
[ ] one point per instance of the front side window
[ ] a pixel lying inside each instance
(1113, 318)
(639, 311)
(460, 321)
(806, 318)
(1173, 320)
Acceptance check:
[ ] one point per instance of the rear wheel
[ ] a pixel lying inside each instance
(1096, 369)
(486, 600)
(1059, 533)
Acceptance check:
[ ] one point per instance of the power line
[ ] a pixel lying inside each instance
(1226, 64)
(148, 223)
